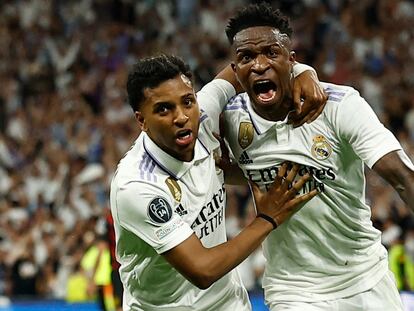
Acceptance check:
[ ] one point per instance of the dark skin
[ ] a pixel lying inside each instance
(203, 266)
(170, 108)
(306, 86)
(395, 169)
(264, 53)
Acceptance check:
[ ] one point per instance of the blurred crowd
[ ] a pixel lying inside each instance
(65, 123)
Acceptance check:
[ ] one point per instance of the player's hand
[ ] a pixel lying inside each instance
(307, 86)
(222, 161)
(280, 202)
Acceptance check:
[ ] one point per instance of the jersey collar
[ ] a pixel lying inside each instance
(175, 168)
(260, 124)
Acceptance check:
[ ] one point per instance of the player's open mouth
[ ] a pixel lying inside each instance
(265, 90)
(184, 137)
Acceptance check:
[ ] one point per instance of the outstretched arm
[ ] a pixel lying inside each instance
(203, 266)
(398, 170)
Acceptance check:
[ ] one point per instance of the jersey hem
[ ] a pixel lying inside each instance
(302, 296)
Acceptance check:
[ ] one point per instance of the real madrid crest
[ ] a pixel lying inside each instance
(174, 188)
(321, 149)
(246, 133)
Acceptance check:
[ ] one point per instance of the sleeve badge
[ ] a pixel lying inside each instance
(159, 210)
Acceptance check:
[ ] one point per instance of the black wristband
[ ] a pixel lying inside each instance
(269, 219)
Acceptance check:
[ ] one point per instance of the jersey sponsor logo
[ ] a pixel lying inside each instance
(211, 215)
(245, 159)
(159, 210)
(267, 175)
(174, 188)
(321, 149)
(246, 132)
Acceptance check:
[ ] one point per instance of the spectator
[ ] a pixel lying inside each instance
(64, 121)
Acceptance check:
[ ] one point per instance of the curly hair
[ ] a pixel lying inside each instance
(150, 72)
(253, 15)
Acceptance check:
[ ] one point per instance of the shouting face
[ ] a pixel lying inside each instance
(263, 65)
(169, 115)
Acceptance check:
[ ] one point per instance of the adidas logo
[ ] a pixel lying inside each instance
(180, 210)
(244, 158)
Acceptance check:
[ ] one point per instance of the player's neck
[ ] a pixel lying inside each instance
(277, 114)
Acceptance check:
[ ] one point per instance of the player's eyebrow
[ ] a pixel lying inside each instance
(251, 47)
(163, 102)
(171, 102)
(189, 94)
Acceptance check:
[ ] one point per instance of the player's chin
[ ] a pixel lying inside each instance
(185, 153)
(266, 103)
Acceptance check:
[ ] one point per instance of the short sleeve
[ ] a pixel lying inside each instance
(299, 68)
(148, 212)
(212, 98)
(358, 124)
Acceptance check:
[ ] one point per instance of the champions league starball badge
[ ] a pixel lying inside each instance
(321, 149)
(159, 210)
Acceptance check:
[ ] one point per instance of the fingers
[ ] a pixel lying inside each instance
(290, 207)
(282, 170)
(308, 111)
(302, 199)
(299, 184)
(314, 114)
(257, 194)
(224, 160)
(313, 104)
(290, 177)
(279, 177)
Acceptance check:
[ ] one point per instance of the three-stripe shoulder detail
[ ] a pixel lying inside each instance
(335, 95)
(146, 168)
(237, 102)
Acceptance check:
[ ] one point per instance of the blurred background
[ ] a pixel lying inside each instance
(65, 123)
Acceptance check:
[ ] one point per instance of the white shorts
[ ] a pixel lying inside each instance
(382, 297)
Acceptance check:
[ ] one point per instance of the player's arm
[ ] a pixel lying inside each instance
(306, 88)
(375, 145)
(203, 266)
(396, 168)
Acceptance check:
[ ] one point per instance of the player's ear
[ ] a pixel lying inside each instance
(141, 121)
(292, 56)
(233, 66)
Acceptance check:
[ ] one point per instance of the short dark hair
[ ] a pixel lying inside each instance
(253, 15)
(150, 72)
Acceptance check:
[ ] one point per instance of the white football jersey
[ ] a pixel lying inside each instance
(157, 202)
(329, 249)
